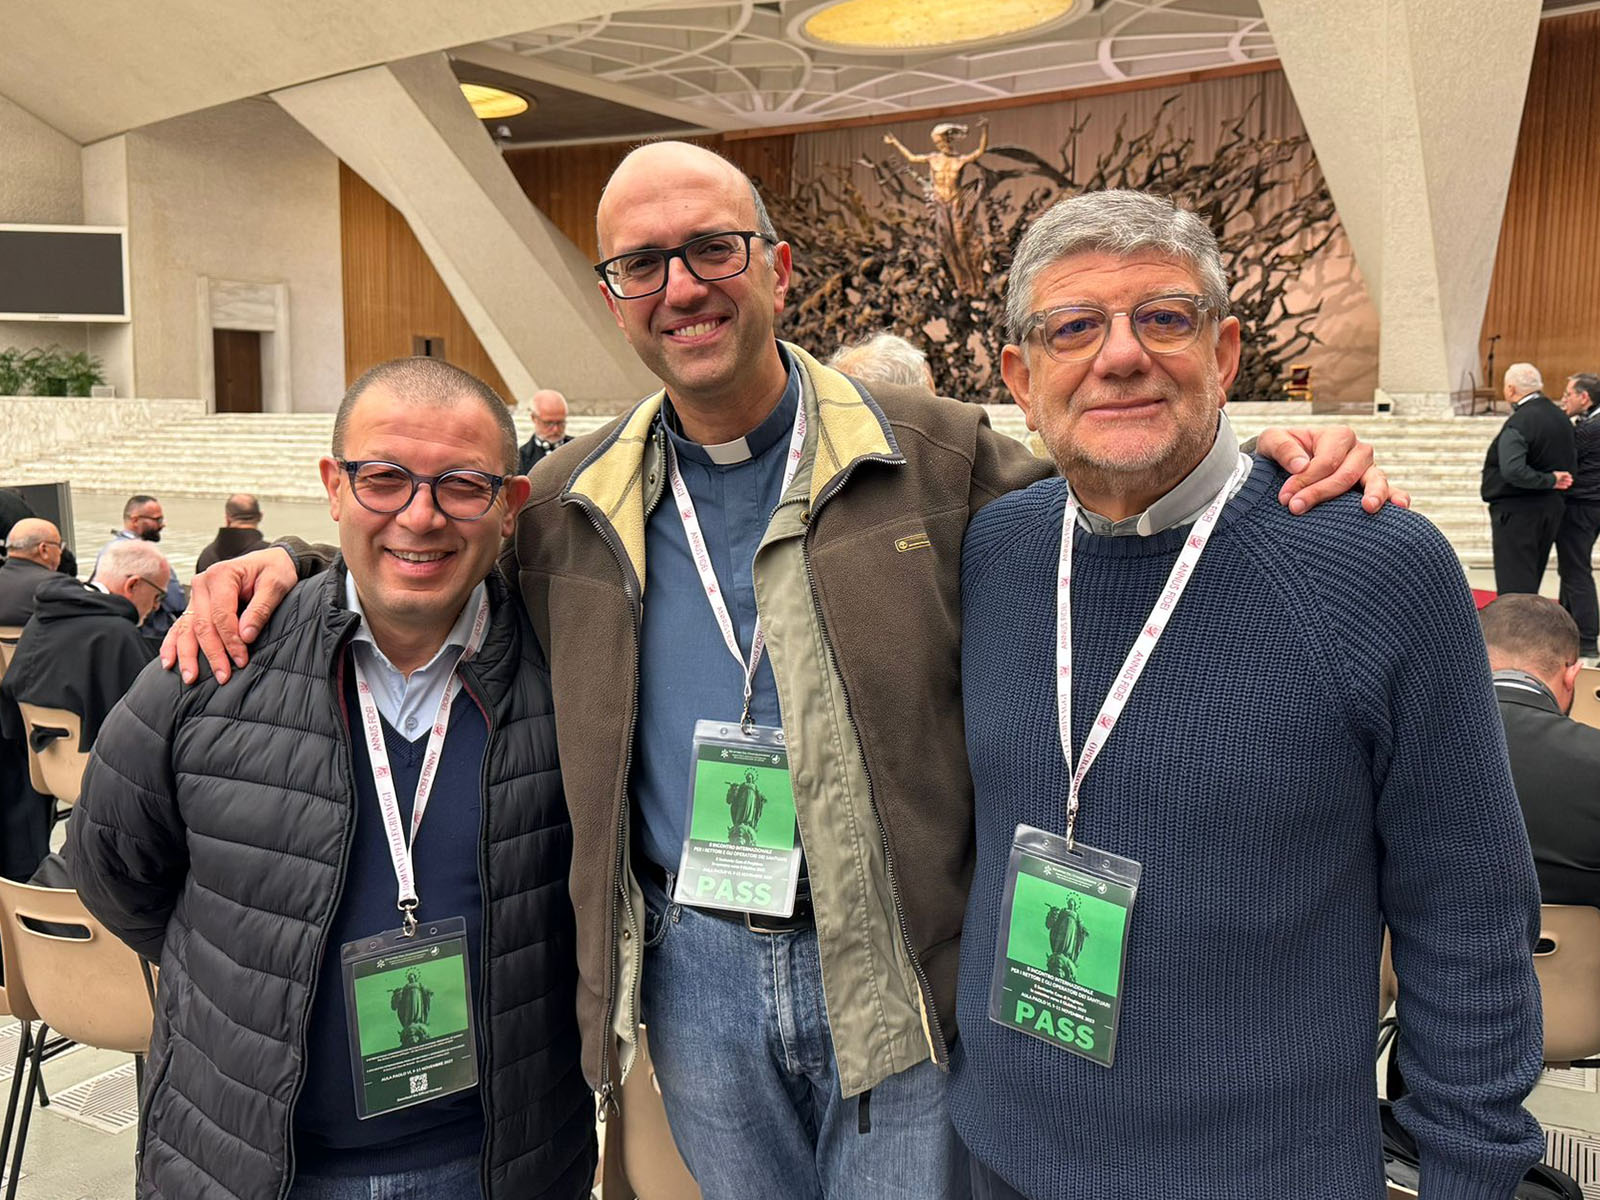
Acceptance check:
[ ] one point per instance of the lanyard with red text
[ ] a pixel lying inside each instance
(1144, 645)
(708, 574)
(400, 844)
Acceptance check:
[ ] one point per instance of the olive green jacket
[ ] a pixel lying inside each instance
(858, 587)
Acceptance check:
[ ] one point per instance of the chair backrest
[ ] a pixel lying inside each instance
(56, 770)
(1567, 960)
(1388, 985)
(1586, 697)
(8, 645)
(87, 987)
(641, 1158)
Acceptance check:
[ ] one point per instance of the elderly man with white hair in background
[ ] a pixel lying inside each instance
(33, 552)
(1528, 466)
(549, 428)
(80, 651)
(884, 358)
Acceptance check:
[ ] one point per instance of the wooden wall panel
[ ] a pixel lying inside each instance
(392, 293)
(564, 182)
(1544, 300)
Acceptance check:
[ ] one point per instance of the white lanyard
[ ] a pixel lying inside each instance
(1143, 646)
(400, 844)
(708, 574)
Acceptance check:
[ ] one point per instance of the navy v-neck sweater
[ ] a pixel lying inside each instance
(1313, 749)
(329, 1138)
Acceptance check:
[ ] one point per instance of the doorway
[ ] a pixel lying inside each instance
(236, 358)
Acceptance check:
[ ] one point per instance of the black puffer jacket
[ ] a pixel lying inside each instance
(212, 834)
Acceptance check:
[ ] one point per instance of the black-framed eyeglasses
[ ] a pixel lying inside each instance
(711, 257)
(388, 488)
(1076, 332)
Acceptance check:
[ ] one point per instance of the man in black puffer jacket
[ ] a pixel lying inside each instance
(253, 840)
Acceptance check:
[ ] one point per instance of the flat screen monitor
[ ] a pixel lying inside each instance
(63, 273)
(53, 502)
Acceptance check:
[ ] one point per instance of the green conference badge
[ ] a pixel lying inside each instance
(742, 852)
(1062, 945)
(408, 1003)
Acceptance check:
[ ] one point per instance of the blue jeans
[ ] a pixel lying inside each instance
(456, 1180)
(744, 1059)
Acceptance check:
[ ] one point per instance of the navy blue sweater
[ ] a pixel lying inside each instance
(1313, 748)
(329, 1138)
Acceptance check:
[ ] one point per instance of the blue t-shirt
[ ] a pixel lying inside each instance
(685, 671)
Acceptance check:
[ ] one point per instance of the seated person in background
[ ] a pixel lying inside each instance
(143, 520)
(1555, 761)
(549, 428)
(884, 358)
(34, 548)
(240, 534)
(33, 552)
(80, 651)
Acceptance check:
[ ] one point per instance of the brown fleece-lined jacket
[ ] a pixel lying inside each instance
(877, 513)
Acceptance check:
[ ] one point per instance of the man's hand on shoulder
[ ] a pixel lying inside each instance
(1323, 463)
(213, 625)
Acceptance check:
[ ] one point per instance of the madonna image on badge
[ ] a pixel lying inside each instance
(410, 1005)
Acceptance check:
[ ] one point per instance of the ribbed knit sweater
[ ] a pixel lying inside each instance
(1312, 750)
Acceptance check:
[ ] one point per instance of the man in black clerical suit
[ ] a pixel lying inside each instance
(1533, 650)
(1528, 467)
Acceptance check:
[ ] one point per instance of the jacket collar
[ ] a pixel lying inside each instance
(1519, 687)
(618, 480)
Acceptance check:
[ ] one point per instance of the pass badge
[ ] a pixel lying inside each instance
(1063, 943)
(742, 848)
(408, 1010)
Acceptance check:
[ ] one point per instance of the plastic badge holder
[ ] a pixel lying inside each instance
(1062, 946)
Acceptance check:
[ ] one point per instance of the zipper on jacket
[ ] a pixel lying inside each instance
(608, 1102)
(347, 769)
(941, 1051)
(485, 1072)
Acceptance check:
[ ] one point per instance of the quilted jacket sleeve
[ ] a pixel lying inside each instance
(125, 843)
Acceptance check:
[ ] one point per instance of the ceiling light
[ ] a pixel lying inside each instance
(492, 103)
(911, 26)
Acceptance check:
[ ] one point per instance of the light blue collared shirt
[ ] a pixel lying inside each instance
(409, 703)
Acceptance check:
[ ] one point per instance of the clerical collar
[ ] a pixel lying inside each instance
(1185, 502)
(778, 425)
(1521, 400)
(1523, 681)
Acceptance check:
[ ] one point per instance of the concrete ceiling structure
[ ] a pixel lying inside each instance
(97, 68)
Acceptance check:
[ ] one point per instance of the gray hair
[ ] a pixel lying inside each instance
(1523, 378)
(1116, 222)
(435, 382)
(127, 557)
(28, 542)
(882, 358)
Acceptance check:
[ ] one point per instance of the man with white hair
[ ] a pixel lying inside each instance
(80, 651)
(549, 428)
(1529, 464)
(884, 358)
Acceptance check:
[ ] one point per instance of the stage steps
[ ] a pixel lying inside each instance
(275, 456)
